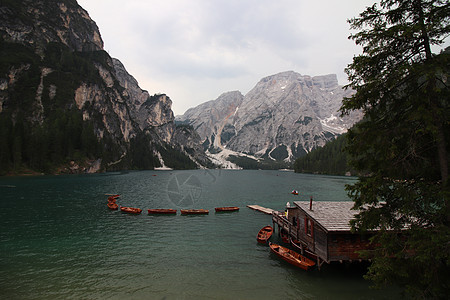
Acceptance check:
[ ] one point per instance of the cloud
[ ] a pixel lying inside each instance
(194, 50)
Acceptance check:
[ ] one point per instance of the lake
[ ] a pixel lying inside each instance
(58, 239)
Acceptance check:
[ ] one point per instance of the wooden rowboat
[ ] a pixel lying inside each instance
(131, 210)
(292, 257)
(264, 234)
(194, 211)
(227, 209)
(113, 198)
(112, 205)
(162, 211)
(308, 254)
(112, 202)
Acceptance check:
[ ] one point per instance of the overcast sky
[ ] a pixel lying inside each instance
(195, 50)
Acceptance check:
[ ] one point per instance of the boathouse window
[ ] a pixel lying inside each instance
(309, 227)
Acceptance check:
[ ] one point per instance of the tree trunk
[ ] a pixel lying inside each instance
(440, 134)
(442, 155)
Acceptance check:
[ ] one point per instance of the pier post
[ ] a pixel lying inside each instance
(319, 264)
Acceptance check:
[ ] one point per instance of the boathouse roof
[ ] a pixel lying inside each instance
(331, 215)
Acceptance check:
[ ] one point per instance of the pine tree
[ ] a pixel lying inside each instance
(402, 143)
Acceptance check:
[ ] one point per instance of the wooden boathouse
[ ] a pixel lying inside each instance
(322, 229)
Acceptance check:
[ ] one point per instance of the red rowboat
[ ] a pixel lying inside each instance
(292, 257)
(131, 210)
(264, 234)
(162, 211)
(112, 202)
(227, 209)
(112, 205)
(309, 254)
(194, 211)
(113, 197)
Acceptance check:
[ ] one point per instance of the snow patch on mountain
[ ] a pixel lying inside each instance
(334, 124)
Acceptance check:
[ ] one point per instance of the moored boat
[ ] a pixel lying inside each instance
(292, 257)
(112, 202)
(264, 234)
(162, 211)
(194, 211)
(112, 205)
(131, 210)
(294, 192)
(227, 209)
(306, 252)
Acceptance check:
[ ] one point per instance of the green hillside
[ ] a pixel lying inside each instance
(330, 159)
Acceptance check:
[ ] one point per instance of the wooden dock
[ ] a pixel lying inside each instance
(261, 209)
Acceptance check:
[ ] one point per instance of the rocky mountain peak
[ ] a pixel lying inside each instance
(329, 81)
(281, 79)
(283, 117)
(210, 117)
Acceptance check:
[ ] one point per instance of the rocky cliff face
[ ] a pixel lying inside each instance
(53, 68)
(151, 113)
(213, 118)
(38, 23)
(191, 143)
(283, 117)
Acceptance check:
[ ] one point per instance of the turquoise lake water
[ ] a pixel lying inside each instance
(58, 239)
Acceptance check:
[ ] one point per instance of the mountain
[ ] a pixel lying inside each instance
(210, 118)
(67, 106)
(283, 117)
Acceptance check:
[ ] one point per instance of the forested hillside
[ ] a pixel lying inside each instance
(330, 159)
(62, 133)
